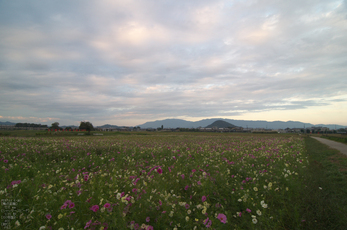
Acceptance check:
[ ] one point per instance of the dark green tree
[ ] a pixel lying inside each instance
(55, 125)
(87, 126)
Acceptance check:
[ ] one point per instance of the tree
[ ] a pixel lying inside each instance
(86, 125)
(55, 125)
(341, 130)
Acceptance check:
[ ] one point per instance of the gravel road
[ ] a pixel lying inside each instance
(333, 144)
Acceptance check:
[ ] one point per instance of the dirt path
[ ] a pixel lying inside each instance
(333, 144)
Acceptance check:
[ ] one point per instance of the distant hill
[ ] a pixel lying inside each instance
(7, 123)
(179, 123)
(108, 126)
(220, 124)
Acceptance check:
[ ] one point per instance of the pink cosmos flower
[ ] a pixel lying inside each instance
(95, 208)
(160, 203)
(186, 188)
(107, 205)
(148, 219)
(206, 221)
(209, 224)
(149, 227)
(160, 171)
(222, 218)
(67, 202)
(88, 224)
(182, 176)
(248, 210)
(63, 206)
(187, 206)
(5, 161)
(203, 198)
(49, 216)
(71, 205)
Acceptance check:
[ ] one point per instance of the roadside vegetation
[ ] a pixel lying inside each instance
(336, 137)
(325, 187)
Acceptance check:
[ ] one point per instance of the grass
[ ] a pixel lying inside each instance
(325, 192)
(336, 137)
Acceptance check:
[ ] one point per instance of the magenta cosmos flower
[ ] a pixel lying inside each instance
(88, 224)
(209, 224)
(159, 170)
(222, 218)
(49, 216)
(206, 221)
(203, 199)
(95, 208)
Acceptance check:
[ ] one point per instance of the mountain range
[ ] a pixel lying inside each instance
(175, 123)
(179, 123)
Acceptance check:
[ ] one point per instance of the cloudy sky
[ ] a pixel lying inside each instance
(127, 62)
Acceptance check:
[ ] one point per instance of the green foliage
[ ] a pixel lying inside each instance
(30, 125)
(55, 125)
(86, 125)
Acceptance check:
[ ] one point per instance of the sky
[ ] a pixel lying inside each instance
(128, 62)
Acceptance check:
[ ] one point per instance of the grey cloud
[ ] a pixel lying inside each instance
(166, 59)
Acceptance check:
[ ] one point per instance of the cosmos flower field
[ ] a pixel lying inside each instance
(152, 181)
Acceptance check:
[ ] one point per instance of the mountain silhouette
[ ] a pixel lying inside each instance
(220, 124)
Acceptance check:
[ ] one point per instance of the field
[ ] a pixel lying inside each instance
(159, 182)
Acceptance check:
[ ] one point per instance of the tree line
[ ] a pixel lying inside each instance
(85, 125)
(30, 125)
